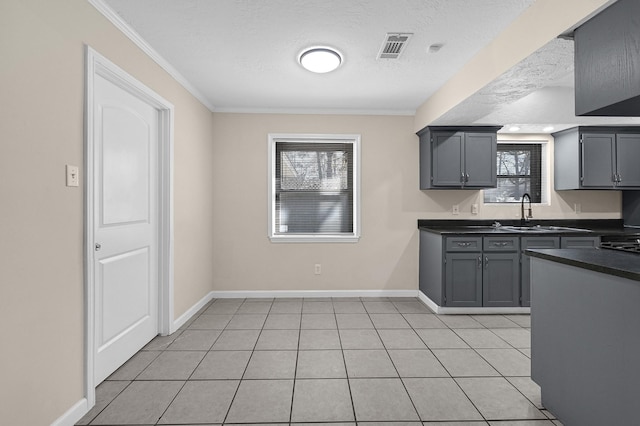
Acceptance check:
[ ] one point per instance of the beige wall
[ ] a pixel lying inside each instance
(41, 220)
(386, 256)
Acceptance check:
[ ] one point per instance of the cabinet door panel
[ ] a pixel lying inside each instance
(447, 158)
(597, 160)
(463, 279)
(500, 279)
(480, 159)
(627, 156)
(533, 243)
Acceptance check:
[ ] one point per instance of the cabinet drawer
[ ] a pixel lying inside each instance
(579, 242)
(501, 243)
(540, 243)
(463, 244)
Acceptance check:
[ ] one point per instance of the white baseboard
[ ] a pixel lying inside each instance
(73, 414)
(314, 293)
(250, 294)
(182, 319)
(444, 310)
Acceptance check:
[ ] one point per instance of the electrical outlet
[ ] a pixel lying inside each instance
(317, 269)
(474, 209)
(577, 207)
(455, 209)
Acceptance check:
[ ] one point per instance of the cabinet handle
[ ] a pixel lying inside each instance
(462, 177)
(466, 177)
(464, 244)
(500, 243)
(619, 178)
(479, 262)
(486, 262)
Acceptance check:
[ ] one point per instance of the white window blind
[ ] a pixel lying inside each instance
(313, 188)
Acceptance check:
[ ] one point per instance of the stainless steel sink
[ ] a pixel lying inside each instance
(543, 228)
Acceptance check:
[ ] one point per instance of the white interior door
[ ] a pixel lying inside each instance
(125, 225)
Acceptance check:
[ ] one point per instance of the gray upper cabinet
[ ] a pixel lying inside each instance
(458, 157)
(627, 156)
(598, 162)
(597, 158)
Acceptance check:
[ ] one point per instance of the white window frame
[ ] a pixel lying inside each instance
(353, 139)
(545, 172)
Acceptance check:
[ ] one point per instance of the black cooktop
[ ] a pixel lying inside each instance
(628, 244)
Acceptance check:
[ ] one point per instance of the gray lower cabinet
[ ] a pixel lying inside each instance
(463, 279)
(481, 271)
(500, 279)
(525, 279)
(547, 243)
(501, 271)
(475, 271)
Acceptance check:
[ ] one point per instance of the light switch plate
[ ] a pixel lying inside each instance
(474, 209)
(73, 175)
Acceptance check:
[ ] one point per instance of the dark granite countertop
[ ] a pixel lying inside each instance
(596, 227)
(611, 262)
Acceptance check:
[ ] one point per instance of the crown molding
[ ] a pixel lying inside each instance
(137, 39)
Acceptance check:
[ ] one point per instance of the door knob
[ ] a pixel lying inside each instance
(98, 246)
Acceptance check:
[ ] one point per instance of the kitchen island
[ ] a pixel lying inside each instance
(585, 334)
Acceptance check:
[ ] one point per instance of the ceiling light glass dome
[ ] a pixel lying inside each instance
(320, 59)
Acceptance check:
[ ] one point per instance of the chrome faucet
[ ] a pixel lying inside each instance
(523, 218)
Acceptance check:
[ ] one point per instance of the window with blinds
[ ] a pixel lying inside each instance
(521, 168)
(313, 188)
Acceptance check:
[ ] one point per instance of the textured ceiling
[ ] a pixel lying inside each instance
(533, 95)
(241, 56)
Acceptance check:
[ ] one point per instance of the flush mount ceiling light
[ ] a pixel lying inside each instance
(320, 59)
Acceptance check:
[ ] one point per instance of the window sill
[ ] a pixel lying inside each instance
(314, 239)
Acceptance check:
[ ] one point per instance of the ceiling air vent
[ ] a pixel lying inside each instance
(393, 45)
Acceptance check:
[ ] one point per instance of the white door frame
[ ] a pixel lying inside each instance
(97, 64)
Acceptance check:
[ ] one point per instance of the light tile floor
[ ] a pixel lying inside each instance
(339, 361)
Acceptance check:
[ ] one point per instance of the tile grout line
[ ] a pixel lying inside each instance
(460, 387)
(404, 386)
(295, 370)
(344, 362)
(187, 380)
(235, 394)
